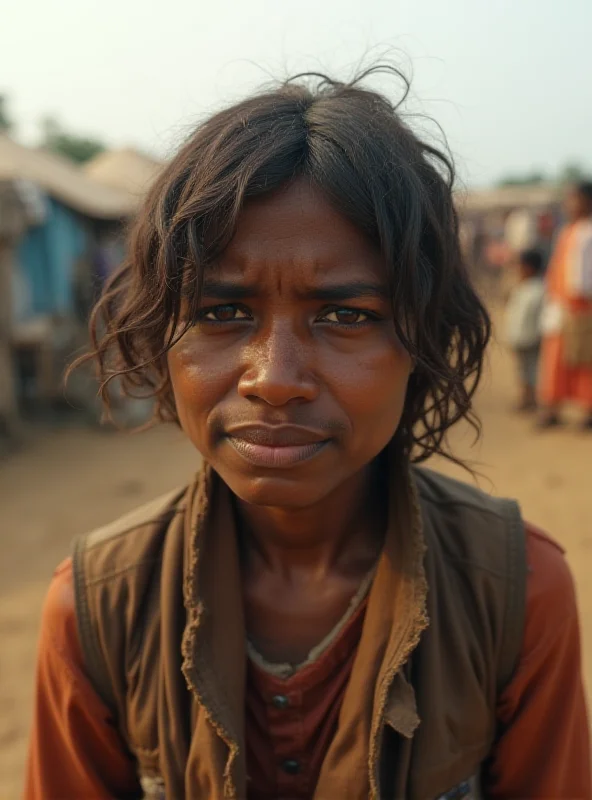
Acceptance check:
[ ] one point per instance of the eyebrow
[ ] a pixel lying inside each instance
(352, 290)
(227, 290)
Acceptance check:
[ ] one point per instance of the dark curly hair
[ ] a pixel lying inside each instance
(354, 145)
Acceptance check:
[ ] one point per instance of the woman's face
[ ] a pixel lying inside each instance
(291, 379)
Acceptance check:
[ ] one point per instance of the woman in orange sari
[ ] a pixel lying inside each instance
(566, 363)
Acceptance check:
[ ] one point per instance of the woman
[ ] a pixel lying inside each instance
(566, 367)
(313, 616)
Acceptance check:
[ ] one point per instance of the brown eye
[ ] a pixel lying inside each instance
(225, 313)
(346, 316)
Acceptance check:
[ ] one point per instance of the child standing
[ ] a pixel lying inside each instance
(523, 323)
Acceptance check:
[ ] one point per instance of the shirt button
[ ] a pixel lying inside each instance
(280, 701)
(291, 766)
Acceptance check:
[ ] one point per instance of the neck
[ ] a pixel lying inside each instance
(343, 532)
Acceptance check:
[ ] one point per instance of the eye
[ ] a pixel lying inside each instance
(347, 316)
(223, 313)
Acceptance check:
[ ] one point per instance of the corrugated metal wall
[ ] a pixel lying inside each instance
(46, 258)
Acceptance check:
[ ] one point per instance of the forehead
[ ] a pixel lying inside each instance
(296, 233)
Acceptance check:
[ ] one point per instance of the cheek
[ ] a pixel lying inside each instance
(371, 389)
(198, 380)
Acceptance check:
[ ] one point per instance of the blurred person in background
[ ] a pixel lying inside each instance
(523, 323)
(546, 229)
(519, 234)
(315, 615)
(566, 359)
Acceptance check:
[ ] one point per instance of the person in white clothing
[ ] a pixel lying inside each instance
(523, 324)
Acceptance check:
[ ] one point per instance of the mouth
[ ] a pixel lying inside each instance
(276, 446)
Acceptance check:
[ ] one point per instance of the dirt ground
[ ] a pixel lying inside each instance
(67, 481)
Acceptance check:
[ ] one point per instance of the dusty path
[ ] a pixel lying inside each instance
(67, 481)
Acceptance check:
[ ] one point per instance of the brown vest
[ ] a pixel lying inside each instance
(161, 627)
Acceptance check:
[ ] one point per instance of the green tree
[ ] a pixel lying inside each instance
(78, 149)
(5, 121)
(528, 179)
(572, 173)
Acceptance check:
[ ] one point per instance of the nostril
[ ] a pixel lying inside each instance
(277, 389)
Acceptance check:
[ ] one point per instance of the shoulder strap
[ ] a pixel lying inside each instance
(157, 512)
(510, 611)
(94, 662)
(515, 606)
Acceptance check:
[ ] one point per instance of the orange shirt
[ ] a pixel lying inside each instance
(543, 750)
(559, 381)
(290, 722)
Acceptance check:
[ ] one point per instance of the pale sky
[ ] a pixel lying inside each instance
(510, 81)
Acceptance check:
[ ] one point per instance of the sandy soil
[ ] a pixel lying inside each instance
(64, 482)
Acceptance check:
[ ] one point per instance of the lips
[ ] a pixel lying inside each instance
(276, 446)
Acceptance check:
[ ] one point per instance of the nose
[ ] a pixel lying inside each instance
(277, 371)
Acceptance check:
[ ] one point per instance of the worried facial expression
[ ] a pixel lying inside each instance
(291, 378)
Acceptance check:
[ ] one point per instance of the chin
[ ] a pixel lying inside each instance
(278, 491)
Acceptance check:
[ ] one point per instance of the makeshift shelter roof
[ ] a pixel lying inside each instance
(509, 197)
(126, 169)
(63, 180)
